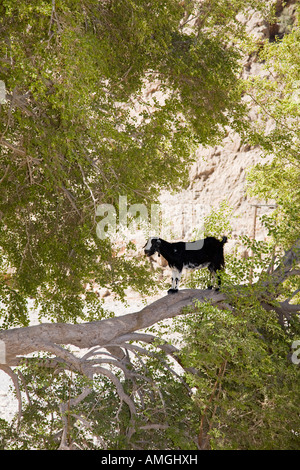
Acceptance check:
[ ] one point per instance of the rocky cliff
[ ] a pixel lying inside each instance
(219, 172)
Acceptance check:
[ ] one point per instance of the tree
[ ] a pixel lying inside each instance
(247, 391)
(278, 100)
(69, 142)
(235, 341)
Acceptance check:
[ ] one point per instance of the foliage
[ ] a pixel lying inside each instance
(100, 421)
(246, 392)
(246, 388)
(278, 100)
(69, 139)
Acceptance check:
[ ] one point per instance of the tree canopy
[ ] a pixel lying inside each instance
(69, 141)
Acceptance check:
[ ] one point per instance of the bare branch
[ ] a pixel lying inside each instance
(293, 294)
(12, 147)
(287, 265)
(123, 396)
(71, 199)
(14, 378)
(5, 173)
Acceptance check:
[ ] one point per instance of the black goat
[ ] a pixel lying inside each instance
(191, 255)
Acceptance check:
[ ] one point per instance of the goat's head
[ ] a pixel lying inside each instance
(152, 246)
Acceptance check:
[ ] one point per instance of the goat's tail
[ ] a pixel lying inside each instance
(224, 240)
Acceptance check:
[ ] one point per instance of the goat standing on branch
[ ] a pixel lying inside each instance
(189, 255)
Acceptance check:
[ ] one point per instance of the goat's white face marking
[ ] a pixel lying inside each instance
(149, 243)
(152, 246)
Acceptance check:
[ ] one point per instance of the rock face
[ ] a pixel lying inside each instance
(219, 172)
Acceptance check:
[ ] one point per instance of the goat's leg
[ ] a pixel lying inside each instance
(218, 271)
(215, 275)
(176, 276)
(212, 281)
(218, 281)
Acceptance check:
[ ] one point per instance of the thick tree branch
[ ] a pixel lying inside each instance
(47, 336)
(111, 341)
(111, 333)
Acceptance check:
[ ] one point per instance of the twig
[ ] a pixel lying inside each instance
(71, 199)
(14, 378)
(12, 147)
(293, 294)
(202, 442)
(123, 396)
(25, 386)
(51, 18)
(5, 173)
